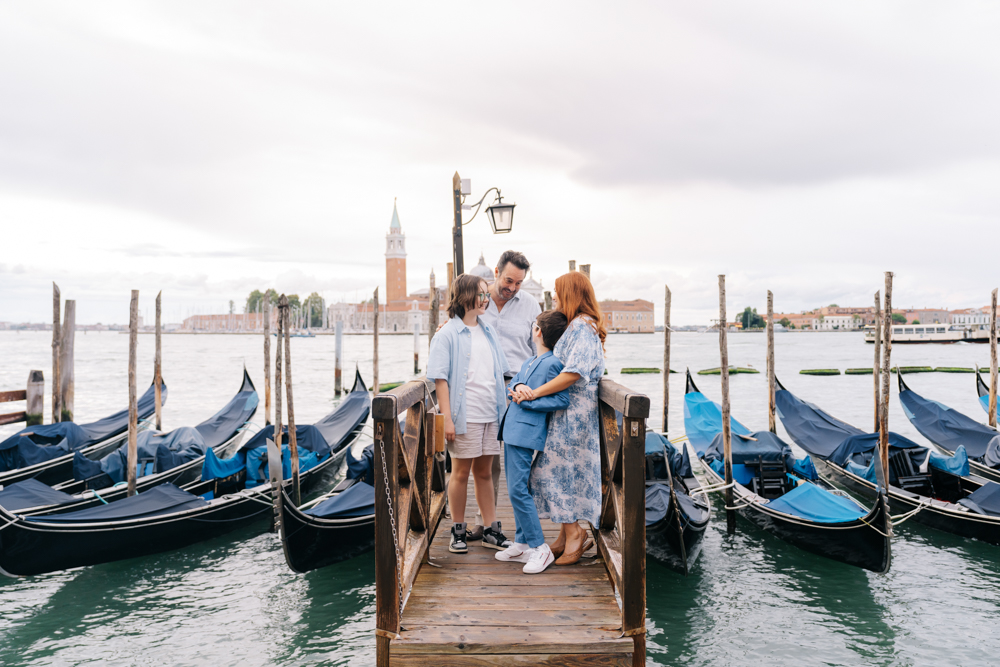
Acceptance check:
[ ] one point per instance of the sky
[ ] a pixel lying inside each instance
(207, 149)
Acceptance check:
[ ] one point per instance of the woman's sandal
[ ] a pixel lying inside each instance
(574, 557)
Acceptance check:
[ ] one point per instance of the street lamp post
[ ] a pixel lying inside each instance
(501, 216)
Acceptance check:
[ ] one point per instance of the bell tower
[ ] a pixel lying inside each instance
(395, 260)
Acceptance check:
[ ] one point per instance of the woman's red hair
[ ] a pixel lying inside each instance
(576, 297)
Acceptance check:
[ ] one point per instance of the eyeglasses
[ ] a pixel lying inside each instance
(483, 296)
(535, 327)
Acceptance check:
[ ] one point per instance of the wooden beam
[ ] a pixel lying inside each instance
(34, 395)
(15, 395)
(666, 358)
(56, 344)
(993, 361)
(292, 440)
(13, 417)
(158, 367)
(391, 404)
(338, 357)
(623, 400)
(886, 361)
(771, 409)
(133, 411)
(548, 300)
(277, 380)
(267, 356)
(67, 377)
(375, 352)
(726, 435)
(877, 366)
(633, 526)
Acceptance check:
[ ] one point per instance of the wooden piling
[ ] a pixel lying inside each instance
(267, 357)
(338, 358)
(158, 368)
(572, 265)
(886, 361)
(548, 300)
(877, 366)
(277, 380)
(290, 409)
(67, 379)
(666, 357)
(375, 351)
(34, 396)
(451, 275)
(726, 427)
(585, 270)
(434, 313)
(416, 348)
(993, 361)
(56, 344)
(771, 425)
(133, 410)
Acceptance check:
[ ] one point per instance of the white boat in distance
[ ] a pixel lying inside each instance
(934, 333)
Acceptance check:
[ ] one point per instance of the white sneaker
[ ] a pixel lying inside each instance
(540, 558)
(515, 553)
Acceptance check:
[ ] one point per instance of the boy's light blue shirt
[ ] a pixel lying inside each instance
(449, 358)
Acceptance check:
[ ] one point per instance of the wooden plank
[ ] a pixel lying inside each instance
(580, 589)
(15, 395)
(401, 398)
(133, 409)
(503, 618)
(666, 358)
(633, 524)
(543, 659)
(771, 426)
(493, 578)
(56, 343)
(13, 417)
(34, 408)
(549, 603)
(517, 640)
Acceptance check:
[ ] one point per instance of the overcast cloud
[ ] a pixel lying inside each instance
(207, 149)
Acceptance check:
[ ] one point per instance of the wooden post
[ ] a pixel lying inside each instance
(877, 366)
(435, 311)
(67, 380)
(338, 357)
(158, 367)
(771, 425)
(416, 348)
(133, 410)
(292, 441)
(666, 357)
(375, 354)
(277, 379)
(267, 357)
(388, 569)
(572, 265)
(886, 361)
(548, 300)
(56, 344)
(34, 396)
(993, 361)
(726, 434)
(585, 270)
(451, 275)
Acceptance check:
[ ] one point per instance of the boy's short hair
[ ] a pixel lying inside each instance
(464, 292)
(552, 324)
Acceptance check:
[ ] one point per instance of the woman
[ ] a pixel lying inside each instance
(566, 476)
(468, 367)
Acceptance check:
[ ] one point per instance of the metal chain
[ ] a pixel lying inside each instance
(392, 517)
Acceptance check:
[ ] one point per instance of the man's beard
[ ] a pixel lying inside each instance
(506, 294)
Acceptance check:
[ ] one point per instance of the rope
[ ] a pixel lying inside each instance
(14, 520)
(98, 496)
(901, 518)
(711, 488)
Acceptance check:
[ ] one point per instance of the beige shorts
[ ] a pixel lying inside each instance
(477, 440)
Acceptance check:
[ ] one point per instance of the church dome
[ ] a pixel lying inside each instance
(482, 271)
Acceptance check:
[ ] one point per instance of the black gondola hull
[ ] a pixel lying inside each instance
(663, 542)
(310, 543)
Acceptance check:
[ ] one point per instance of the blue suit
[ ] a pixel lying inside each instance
(523, 430)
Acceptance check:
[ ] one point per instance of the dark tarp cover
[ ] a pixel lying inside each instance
(337, 426)
(985, 499)
(224, 424)
(815, 504)
(307, 437)
(362, 467)
(27, 453)
(167, 449)
(43, 444)
(950, 428)
(809, 427)
(703, 420)
(860, 449)
(159, 500)
(767, 446)
(358, 500)
(679, 459)
(658, 500)
(255, 462)
(31, 493)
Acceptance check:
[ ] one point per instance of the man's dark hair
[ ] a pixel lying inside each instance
(515, 258)
(553, 324)
(464, 292)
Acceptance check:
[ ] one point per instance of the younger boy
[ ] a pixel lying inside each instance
(523, 431)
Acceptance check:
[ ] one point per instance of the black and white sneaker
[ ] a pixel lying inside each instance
(458, 544)
(493, 537)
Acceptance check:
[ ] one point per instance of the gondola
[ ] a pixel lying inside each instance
(336, 526)
(983, 391)
(953, 432)
(176, 457)
(233, 493)
(935, 490)
(45, 453)
(677, 509)
(786, 497)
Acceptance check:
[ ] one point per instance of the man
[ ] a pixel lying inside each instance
(511, 314)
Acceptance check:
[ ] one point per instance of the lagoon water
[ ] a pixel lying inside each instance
(750, 600)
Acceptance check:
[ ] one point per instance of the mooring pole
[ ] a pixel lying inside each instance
(158, 369)
(886, 361)
(133, 411)
(993, 361)
(548, 300)
(292, 441)
(34, 393)
(585, 270)
(727, 443)
(67, 380)
(416, 348)
(56, 345)
(277, 379)
(771, 426)
(338, 357)
(266, 309)
(434, 312)
(877, 366)
(572, 265)
(666, 357)
(375, 342)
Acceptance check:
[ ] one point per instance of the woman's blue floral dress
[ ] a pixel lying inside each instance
(566, 476)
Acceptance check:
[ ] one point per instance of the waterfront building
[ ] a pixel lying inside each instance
(634, 316)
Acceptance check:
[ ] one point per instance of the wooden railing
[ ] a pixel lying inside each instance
(621, 537)
(409, 500)
(34, 396)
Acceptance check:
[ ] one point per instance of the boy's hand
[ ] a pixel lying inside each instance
(522, 392)
(449, 429)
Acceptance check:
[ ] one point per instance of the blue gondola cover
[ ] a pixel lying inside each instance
(861, 448)
(815, 504)
(985, 499)
(949, 428)
(162, 499)
(956, 465)
(703, 420)
(358, 500)
(31, 493)
(362, 467)
(809, 427)
(766, 445)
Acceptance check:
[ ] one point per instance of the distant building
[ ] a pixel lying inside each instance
(483, 271)
(229, 323)
(633, 316)
(798, 320)
(969, 316)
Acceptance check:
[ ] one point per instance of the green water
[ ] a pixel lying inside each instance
(750, 600)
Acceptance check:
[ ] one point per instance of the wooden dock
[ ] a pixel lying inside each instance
(474, 610)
